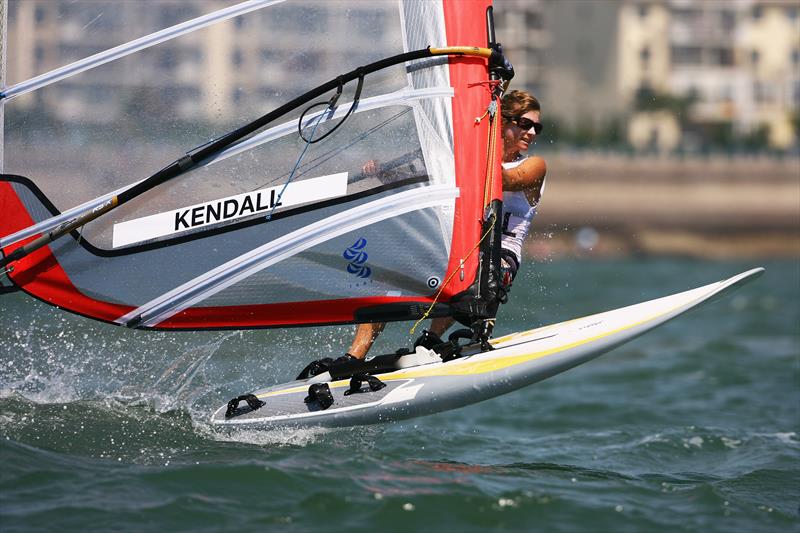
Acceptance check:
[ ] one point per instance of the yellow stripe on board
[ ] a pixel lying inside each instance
(493, 365)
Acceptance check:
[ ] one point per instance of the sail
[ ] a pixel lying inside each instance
(370, 208)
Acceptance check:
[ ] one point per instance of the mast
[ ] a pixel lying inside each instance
(483, 308)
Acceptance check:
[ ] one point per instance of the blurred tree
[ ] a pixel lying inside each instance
(584, 135)
(554, 131)
(614, 133)
(719, 134)
(755, 141)
(796, 125)
(648, 99)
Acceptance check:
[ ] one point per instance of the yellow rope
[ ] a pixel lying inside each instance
(489, 166)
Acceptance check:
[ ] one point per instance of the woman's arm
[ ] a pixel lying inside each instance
(527, 177)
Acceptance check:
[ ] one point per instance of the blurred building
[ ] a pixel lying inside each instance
(526, 38)
(568, 58)
(670, 69)
(205, 74)
(739, 61)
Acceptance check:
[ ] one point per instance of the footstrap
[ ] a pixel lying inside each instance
(252, 401)
(320, 393)
(374, 383)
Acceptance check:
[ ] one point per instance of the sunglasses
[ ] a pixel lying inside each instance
(526, 124)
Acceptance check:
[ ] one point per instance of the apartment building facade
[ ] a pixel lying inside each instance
(589, 61)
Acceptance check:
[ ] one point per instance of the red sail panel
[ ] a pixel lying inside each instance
(466, 25)
(39, 273)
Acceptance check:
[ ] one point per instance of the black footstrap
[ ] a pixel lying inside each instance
(326, 364)
(315, 367)
(374, 383)
(320, 393)
(252, 401)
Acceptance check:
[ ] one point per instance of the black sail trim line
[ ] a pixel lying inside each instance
(215, 230)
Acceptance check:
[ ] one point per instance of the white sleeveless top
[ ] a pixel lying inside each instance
(517, 216)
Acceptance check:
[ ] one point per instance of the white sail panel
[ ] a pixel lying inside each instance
(377, 245)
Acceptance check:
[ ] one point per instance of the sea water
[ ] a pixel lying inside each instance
(694, 426)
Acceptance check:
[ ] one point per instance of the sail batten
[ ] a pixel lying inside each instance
(403, 96)
(240, 268)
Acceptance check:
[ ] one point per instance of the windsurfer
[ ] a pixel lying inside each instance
(523, 183)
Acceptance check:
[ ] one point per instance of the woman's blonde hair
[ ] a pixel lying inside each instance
(516, 103)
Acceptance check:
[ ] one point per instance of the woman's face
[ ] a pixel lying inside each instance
(516, 139)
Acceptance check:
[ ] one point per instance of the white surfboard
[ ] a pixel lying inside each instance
(430, 385)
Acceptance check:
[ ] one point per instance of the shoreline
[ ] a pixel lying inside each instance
(601, 205)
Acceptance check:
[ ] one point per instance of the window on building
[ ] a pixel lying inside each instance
(174, 14)
(98, 95)
(269, 92)
(533, 57)
(644, 56)
(111, 18)
(237, 57)
(722, 57)
(755, 57)
(652, 142)
(644, 93)
(308, 62)
(685, 15)
(300, 20)
(792, 13)
(270, 56)
(188, 93)
(375, 20)
(533, 20)
(762, 92)
(40, 14)
(644, 10)
(167, 59)
(193, 55)
(796, 57)
(757, 12)
(68, 53)
(686, 55)
(727, 20)
(238, 95)
(38, 54)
